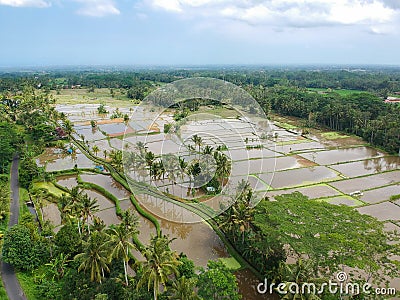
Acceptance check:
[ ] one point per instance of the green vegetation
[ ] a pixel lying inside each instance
(333, 135)
(231, 263)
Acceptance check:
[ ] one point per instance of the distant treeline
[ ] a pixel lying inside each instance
(379, 81)
(362, 114)
(284, 91)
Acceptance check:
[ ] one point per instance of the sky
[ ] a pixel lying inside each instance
(198, 32)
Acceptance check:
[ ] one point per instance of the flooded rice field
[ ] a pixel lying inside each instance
(365, 183)
(329, 157)
(57, 160)
(380, 194)
(368, 166)
(312, 192)
(344, 200)
(68, 181)
(108, 183)
(286, 163)
(386, 211)
(298, 177)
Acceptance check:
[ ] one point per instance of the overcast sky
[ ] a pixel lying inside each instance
(132, 32)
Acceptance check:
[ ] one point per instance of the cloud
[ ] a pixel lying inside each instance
(97, 8)
(395, 4)
(26, 3)
(287, 13)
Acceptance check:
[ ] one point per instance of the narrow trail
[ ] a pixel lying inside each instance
(10, 281)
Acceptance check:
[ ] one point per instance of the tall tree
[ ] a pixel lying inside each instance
(94, 258)
(160, 263)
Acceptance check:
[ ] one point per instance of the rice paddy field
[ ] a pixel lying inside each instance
(325, 166)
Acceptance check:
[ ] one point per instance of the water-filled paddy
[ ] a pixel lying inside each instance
(380, 194)
(383, 211)
(369, 166)
(368, 182)
(313, 192)
(296, 177)
(57, 160)
(108, 183)
(341, 155)
(91, 134)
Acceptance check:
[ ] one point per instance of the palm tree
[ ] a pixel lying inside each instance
(160, 263)
(150, 157)
(95, 149)
(94, 258)
(116, 159)
(223, 166)
(120, 245)
(193, 170)
(184, 289)
(68, 127)
(208, 149)
(75, 204)
(182, 169)
(88, 207)
(141, 147)
(197, 140)
(131, 221)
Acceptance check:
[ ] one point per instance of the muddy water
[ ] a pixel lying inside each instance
(103, 145)
(383, 211)
(341, 155)
(114, 128)
(298, 177)
(369, 166)
(91, 134)
(247, 283)
(55, 160)
(313, 192)
(108, 183)
(300, 147)
(69, 181)
(265, 165)
(380, 194)
(241, 154)
(102, 202)
(198, 241)
(343, 200)
(52, 214)
(366, 183)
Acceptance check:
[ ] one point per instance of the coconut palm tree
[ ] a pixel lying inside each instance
(94, 258)
(68, 127)
(197, 140)
(182, 169)
(150, 157)
(120, 245)
(141, 147)
(160, 263)
(184, 289)
(208, 150)
(88, 207)
(223, 166)
(95, 149)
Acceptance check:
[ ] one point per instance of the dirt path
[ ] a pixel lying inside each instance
(10, 281)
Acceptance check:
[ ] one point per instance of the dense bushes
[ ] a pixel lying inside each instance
(21, 250)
